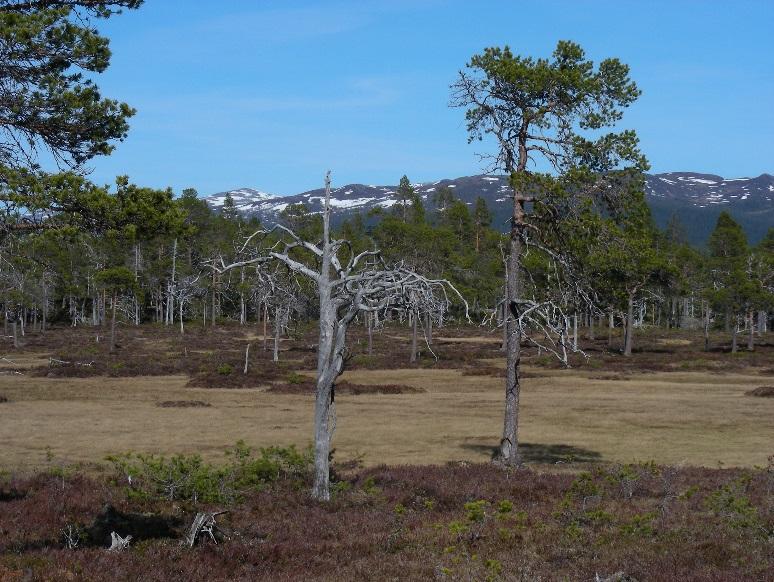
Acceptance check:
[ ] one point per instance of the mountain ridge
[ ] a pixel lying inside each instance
(695, 198)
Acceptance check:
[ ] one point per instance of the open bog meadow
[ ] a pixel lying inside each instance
(671, 403)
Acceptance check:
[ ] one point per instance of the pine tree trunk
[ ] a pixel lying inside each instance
(610, 326)
(214, 297)
(277, 331)
(265, 318)
(504, 346)
(509, 444)
(733, 338)
(751, 333)
(242, 305)
(629, 333)
(113, 326)
(326, 360)
(15, 334)
(370, 323)
(575, 331)
(136, 279)
(591, 327)
(707, 316)
(45, 310)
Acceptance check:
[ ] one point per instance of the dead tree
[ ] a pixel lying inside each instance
(184, 290)
(277, 290)
(347, 284)
(423, 310)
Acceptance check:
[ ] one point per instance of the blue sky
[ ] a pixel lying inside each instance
(270, 94)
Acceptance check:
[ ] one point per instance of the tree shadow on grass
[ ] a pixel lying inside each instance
(543, 453)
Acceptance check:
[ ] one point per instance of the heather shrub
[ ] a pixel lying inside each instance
(732, 503)
(296, 378)
(224, 369)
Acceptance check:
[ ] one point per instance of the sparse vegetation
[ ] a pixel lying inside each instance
(418, 522)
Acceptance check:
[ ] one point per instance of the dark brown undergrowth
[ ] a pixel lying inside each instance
(3, 399)
(455, 522)
(308, 387)
(762, 392)
(183, 404)
(205, 353)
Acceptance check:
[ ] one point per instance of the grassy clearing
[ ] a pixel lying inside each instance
(670, 402)
(688, 417)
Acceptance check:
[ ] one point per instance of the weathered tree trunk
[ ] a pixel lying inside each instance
(751, 332)
(265, 318)
(171, 295)
(733, 338)
(136, 279)
(763, 320)
(15, 333)
(180, 308)
(629, 334)
(414, 318)
(214, 296)
(429, 330)
(504, 346)
(370, 323)
(242, 304)
(326, 360)
(707, 312)
(610, 326)
(277, 332)
(575, 332)
(113, 326)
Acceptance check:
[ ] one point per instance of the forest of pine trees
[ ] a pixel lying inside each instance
(151, 262)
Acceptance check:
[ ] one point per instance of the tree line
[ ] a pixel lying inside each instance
(153, 264)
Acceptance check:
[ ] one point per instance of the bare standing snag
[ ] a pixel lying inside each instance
(347, 284)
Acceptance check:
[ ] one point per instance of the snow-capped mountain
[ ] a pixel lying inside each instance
(246, 200)
(696, 199)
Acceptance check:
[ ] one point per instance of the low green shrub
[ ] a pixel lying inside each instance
(188, 477)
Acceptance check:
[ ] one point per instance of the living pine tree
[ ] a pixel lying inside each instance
(542, 108)
(734, 290)
(405, 196)
(628, 260)
(47, 98)
(443, 199)
(675, 232)
(229, 210)
(763, 272)
(482, 218)
(50, 105)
